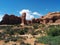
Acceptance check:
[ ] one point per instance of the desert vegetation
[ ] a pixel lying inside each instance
(53, 35)
(48, 34)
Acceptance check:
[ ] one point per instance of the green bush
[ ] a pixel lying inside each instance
(35, 26)
(37, 32)
(5, 27)
(9, 31)
(14, 39)
(49, 40)
(6, 40)
(53, 30)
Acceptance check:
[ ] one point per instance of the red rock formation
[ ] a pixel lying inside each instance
(23, 18)
(53, 17)
(29, 22)
(10, 19)
(50, 18)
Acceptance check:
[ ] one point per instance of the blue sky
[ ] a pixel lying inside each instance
(34, 8)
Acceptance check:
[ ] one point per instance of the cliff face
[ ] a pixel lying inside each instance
(10, 19)
(53, 17)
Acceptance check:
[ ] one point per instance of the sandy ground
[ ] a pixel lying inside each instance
(29, 40)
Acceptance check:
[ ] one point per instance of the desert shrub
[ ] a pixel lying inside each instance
(41, 25)
(22, 43)
(22, 31)
(28, 44)
(49, 40)
(6, 40)
(35, 26)
(9, 31)
(14, 39)
(1, 36)
(53, 30)
(34, 33)
(53, 35)
(26, 29)
(37, 32)
(5, 27)
(13, 44)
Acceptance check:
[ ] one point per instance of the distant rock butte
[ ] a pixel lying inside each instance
(52, 17)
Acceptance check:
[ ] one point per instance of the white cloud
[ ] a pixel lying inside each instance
(25, 10)
(1, 16)
(29, 14)
(36, 13)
